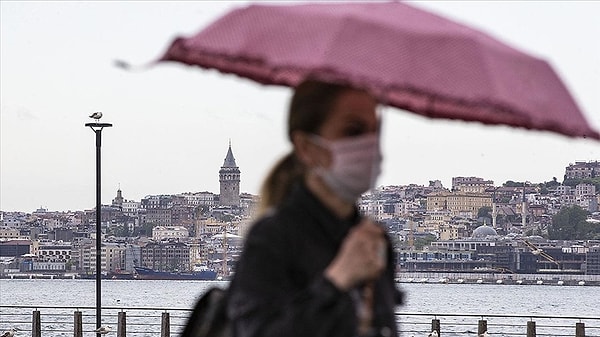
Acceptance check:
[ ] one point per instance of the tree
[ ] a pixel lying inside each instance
(421, 242)
(144, 230)
(570, 224)
(575, 182)
(484, 212)
(121, 231)
(552, 183)
(510, 183)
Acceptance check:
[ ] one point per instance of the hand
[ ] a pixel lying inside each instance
(361, 258)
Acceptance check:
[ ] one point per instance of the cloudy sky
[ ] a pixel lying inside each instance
(173, 123)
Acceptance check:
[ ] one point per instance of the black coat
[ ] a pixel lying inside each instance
(279, 290)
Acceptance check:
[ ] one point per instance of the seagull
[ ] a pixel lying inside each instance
(96, 115)
(9, 333)
(434, 333)
(121, 64)
(103, 330)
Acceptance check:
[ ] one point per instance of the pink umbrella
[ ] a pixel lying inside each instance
(409, 58)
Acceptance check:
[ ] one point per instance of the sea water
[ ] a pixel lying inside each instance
(428, 298)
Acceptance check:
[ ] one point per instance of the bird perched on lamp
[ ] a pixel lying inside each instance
(96, 115)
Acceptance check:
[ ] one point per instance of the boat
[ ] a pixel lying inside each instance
(144, 273)
(120, 275)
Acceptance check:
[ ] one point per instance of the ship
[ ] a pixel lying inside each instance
(144, 273)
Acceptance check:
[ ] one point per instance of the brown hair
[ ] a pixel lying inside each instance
(309, 108)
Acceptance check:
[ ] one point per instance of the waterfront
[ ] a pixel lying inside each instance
(422, 298)
(432, 299)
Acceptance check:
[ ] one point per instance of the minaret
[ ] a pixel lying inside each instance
(229, 180)
(118, 200)
(524, 209)
(494, 210)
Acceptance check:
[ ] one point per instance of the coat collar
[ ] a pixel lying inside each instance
(335, 228)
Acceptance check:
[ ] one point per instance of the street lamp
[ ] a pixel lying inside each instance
(97, 128)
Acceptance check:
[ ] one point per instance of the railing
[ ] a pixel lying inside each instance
(464, 324)
(50, 321)
(37, 321)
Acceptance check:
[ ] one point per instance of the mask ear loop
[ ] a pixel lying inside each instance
(319, 141)
(322, 143)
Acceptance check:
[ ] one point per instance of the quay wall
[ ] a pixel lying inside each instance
(498, 278)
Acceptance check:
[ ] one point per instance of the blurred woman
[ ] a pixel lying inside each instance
(312, 265)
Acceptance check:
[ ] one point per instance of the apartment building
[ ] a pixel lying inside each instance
(582, 170)
(459, 203)
(112, 257)
(160, 233)
(471, 184)
(166, 256)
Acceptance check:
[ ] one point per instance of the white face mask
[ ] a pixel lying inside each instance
(355, 166)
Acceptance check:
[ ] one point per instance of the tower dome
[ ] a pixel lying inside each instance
(484, 231)
(229, 181)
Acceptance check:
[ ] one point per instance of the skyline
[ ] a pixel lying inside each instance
(115, 194)
(172, 123)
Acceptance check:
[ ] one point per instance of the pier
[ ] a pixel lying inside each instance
(38, 321)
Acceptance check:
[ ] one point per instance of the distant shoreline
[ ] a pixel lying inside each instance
(402, 277)
(498, 278)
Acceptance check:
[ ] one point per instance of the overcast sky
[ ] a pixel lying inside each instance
(173, 123)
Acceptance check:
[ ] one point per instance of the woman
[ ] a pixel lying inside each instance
(312, 266)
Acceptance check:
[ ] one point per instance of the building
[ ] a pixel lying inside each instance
(160, 233)
(157, 202)
(207, 199)
(163, 256)
(585, 190)
(10, 234)
(52, 257)
(582, 170)
(459, 203)
(210, 226)
(158, 217)
(15, 248)
(131, 208)
(118, 200)
(593, 261)
(471, 184)
(229, 181)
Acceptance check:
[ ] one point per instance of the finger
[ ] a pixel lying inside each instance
(370, 228)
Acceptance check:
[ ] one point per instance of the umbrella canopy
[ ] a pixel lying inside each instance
(407, 57)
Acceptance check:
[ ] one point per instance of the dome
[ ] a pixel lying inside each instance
(483, 231)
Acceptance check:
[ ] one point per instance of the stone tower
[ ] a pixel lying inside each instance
(118, 200)
(229, 181)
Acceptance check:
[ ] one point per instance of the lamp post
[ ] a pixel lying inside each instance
(97, 128)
